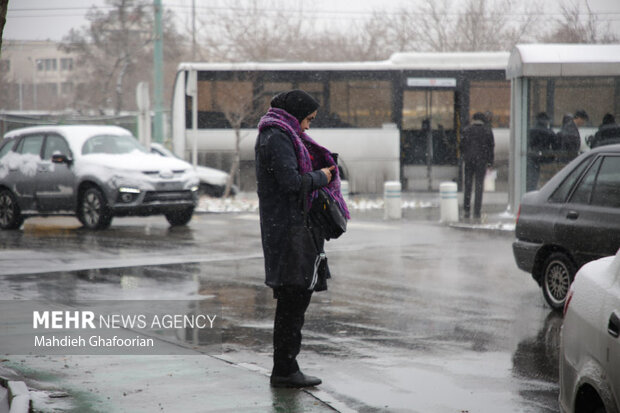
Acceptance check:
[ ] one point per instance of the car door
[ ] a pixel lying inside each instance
(22, 174)
(55, 189)
(588, 224)
(611, 330)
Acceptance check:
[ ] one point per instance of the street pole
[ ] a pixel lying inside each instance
(193, 30)
(158, 81)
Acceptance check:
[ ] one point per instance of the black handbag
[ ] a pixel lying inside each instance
(327, 216)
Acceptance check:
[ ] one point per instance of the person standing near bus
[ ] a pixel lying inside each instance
(569, 139)
(541, 147)
(287, 162)
(477, 151)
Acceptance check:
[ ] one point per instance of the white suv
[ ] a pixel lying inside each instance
(590, 343)
(91, 171)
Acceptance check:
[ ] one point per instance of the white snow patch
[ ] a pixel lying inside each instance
(25, 163)
(248, 203)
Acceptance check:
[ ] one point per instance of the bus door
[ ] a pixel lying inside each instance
(428, 127)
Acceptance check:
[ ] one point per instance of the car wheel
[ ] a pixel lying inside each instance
(558, 274)
(10, 214)
(180, 217)
(93, 211)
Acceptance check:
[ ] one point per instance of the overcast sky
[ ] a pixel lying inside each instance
(52, 19)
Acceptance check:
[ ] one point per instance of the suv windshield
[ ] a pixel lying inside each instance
(112, 144)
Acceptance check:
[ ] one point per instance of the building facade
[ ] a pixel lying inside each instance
(36, 75)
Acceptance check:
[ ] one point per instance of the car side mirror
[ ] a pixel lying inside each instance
(61, 158)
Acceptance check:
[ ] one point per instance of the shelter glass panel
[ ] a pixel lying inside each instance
(491, 97)
(572, 108)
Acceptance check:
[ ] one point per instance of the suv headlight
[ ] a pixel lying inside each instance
(128, 194)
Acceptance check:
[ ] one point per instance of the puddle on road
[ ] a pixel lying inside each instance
(379, 325)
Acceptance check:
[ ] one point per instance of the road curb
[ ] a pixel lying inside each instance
(14, 396)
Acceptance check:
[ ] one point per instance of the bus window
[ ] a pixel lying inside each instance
(359, 103)
(219, 102)
(270, 89)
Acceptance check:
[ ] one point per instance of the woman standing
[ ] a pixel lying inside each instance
(290, 167)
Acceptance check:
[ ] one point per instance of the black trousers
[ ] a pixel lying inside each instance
(289, 319)
(477, 171)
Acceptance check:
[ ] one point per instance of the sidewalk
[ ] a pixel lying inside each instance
(199, 383)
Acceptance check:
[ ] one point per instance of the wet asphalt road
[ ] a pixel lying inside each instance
(418, 317)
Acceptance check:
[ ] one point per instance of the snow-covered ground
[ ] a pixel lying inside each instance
(248, 202)
(245, 202)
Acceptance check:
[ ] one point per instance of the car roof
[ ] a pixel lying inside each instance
(75, 134)
(82, 132)
(551, 185)
(606, 148)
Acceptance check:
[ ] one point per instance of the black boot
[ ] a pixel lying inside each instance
(295, 380)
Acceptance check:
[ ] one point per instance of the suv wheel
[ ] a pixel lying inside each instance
(558, 274)
(93, 211)
(180, 217)
(10, 214)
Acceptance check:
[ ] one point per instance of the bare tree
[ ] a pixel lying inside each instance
(4, 5)
(236, 103)
(360, 42)
(572, 28)
(435, 30)
(114, 53)
(255, 31)
(474, 25)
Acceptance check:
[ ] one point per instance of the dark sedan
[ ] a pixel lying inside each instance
(573, 219)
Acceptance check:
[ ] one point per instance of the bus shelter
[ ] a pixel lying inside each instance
(563, 88)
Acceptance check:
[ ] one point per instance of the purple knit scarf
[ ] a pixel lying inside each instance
(310, 155)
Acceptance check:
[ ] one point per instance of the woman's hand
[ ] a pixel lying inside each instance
(328, 172)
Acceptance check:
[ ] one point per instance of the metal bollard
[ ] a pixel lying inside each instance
(392, 200)
(344, 189)
(449, 203)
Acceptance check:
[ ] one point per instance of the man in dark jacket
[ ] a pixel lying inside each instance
(608, 132)
(477, 151)
(286, 163)
(542, 143)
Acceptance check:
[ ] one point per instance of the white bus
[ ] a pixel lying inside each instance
(393, 120)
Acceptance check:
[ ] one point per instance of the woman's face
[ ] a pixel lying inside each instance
(305, 124)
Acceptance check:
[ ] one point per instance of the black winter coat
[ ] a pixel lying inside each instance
(478, 144)
(289, 250)
(542, 143)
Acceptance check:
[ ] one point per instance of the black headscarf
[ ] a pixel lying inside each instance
(296, 102)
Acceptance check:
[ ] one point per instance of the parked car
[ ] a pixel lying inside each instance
(573, 219)
(94, 172)
(212, 181)
(589, 343)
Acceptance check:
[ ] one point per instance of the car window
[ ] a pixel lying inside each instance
(112, 144)
(562, 191)
(30, 145)
(55, 144)
(607, 189)
(6, 147)
(583, 192)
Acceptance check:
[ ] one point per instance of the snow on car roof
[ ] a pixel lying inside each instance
(75, 134)
(72, 132)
